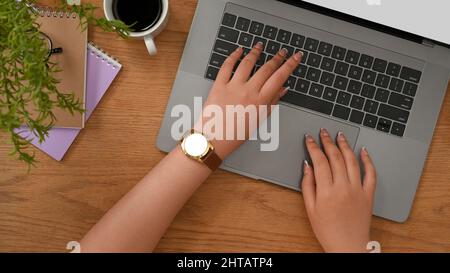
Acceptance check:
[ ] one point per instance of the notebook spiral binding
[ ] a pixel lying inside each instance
(101, 54)
(52, 12)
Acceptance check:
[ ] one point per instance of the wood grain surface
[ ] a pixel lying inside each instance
(59, 201)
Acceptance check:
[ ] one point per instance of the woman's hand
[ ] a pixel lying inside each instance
(263, 89)
(339, 206)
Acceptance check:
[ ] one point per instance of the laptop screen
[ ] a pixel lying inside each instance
(429, 19)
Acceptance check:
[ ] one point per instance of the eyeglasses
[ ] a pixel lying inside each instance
(51, 50)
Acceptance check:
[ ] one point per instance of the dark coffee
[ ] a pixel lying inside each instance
(141, 14)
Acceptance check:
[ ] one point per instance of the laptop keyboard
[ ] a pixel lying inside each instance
(332, 80)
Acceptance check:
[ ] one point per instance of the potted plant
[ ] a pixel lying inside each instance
(27, 79)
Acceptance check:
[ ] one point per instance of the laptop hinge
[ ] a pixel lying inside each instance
(428, 43)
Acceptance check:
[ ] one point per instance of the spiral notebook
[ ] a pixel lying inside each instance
(63, 28)
(102, 69)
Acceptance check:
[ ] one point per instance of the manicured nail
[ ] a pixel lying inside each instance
(283, 52)
(306, 163)
(341, 136)
(364, 150)
(284, 92)
(309, 138)
(298, 56)
(324, 132)
(259, 45)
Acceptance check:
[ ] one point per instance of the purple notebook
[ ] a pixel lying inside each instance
(101, 70)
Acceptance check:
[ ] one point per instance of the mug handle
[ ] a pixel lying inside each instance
(150, 43)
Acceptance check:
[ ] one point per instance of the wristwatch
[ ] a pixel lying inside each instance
(196, 146)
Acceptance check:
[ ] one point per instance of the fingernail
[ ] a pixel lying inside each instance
(364, 150)
(306, 163)
(309, 138)
(284, 92)
(298, 56)
(341, 136)
(283, 52)
(324, 132)
(259, 45)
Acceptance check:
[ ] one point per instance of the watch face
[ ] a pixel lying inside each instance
(195, 145)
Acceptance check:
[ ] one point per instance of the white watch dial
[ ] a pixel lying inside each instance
(196, 145)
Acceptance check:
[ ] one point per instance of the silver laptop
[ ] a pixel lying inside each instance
(376, 70)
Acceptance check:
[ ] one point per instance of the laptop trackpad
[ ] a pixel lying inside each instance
(284, 165)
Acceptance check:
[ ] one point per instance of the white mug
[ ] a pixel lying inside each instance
(147, 35)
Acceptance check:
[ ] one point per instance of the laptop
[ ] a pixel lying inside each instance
(376, 70)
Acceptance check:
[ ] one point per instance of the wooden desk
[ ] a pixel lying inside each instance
(59, 202)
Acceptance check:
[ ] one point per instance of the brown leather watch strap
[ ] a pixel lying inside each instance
(212, 160)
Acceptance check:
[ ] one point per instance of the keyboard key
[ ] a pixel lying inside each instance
(245, 52)
(212, 73)
(290, 83)
(410, 75)
(269, 57)
(284, 36)
(228, 34)
(262, 40)
(342, 68)
(217, 60)
(327, 78)
(262, 59)
(410, 89)
(313, 74)
(382, 81)
(311, 44)
(357, 102)
(384, 125)
(371, 106)
(290, 50)
(246, 39)
(369, 76)
(328, 64)
(270, 32)
(224, 48)
(370, 121)
(366, 61)
(314, 60)
(256, 28)
(382, 95)
(229, 20)
(396, 85)
(380, 65)
(354, 87)
(330, 94)
(343, 98)
(243, 24)
(341, 83)
(302, 85)
(325, 49)
(393, 113)
(341, 112)
(357, 116)
(308, 102)
(316, 90)
(398, 129)
(393, 69)
(352, 57)
(300, 71)
(401, 101)
(273, 47)
(368, 91)
(297, 40)
(338, 53)
(355, 72)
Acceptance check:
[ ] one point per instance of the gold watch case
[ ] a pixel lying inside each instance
(203, 155)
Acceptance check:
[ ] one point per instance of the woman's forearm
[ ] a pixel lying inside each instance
(139, 220)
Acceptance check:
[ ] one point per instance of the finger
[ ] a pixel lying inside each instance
(263, 74)
(226, 70)
(335, 158)
(278, 79)
(308, 187)
(247, 65)
(351, 163)
(370, 174)
(321, 167)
